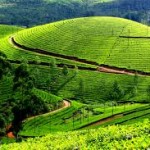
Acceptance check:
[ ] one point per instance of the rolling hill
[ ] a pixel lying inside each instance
(84, 45)
(104, 40)
(87, 42)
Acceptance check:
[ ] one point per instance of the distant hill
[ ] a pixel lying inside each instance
(30, 12)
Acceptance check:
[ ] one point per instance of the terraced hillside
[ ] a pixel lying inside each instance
(78, 116)
(90, 44)
(102, 40)
(87, 42)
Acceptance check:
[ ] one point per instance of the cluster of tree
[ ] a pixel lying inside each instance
(23, 102)
(31, 12)
(115, 92)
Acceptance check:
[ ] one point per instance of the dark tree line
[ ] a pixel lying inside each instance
(23, 102)
(30, 12)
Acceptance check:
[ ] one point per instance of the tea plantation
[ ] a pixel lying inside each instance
(79, 74)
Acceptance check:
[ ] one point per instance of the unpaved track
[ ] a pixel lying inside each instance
(100, 68)
(115, 70)
(106, 120)
(102, 121)
(65, 105)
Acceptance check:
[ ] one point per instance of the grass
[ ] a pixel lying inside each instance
(47, 97)
(97, 86)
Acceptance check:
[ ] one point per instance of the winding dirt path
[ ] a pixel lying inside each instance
(115, 70)
(10, 133)
(65, 105)
(100, 68)
(104, 120)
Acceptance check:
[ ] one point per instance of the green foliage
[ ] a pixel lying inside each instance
(119, 137)
(65, 70)
(6, 30)
(116, 92)
(4, 65)
(80, 92)
(96, 39)
(148, 92)
(53, 10)
(74, 117)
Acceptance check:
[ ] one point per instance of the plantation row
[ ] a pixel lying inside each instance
(74, 118)
(14, 53)
(96, 85)
(72, 38)
(132, 50)
(7, 30)
(129, 117)
(119, 137)
(75, 33)
(50, 123)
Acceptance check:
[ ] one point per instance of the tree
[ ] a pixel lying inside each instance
(2, 122)
(133, 89)
(36, 72)
(80, 92)
(27, 103)
(63, 84)
(53, 77)
(65, 70)
(148, 93)
(4, 65)
(116, 93)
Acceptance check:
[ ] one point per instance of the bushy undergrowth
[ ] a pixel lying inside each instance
(128, 137)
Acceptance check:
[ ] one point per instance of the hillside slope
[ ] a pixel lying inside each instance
(104, 40)
(7, 30)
